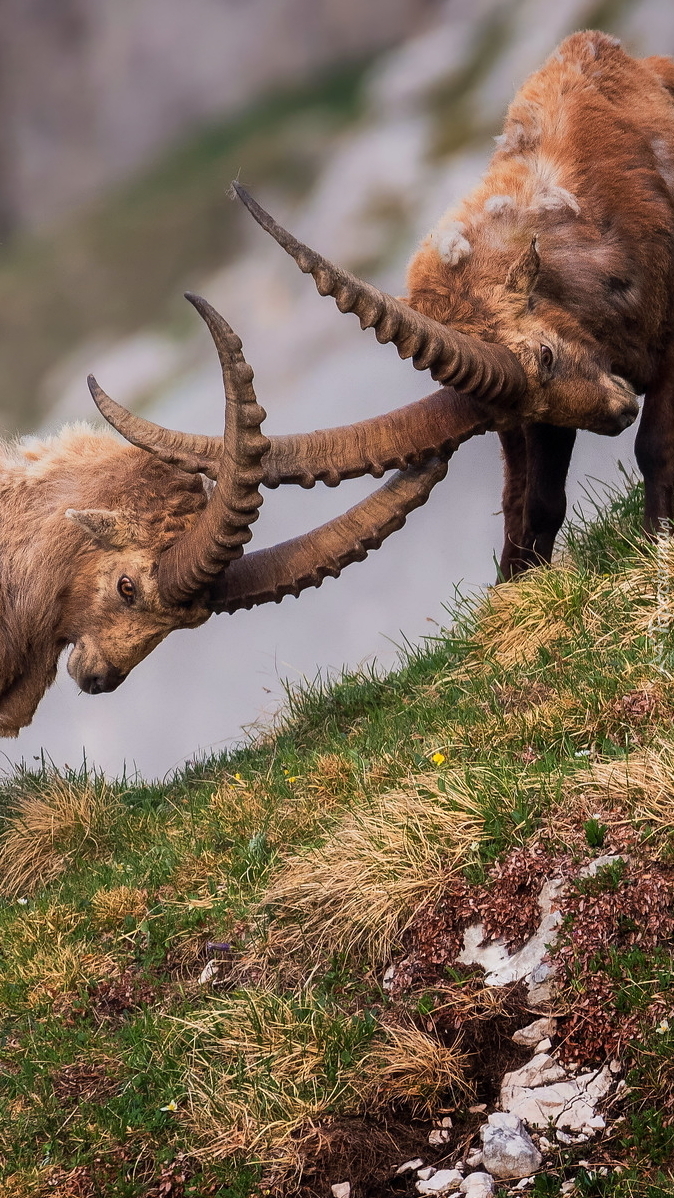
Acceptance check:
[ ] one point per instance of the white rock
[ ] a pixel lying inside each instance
(441, 1182)
(507, 1148)
(341, 1189)
(567, 1186)
(590, 871)
(528, 962)
(530, 1035)
(446, 1122)
(544, 1045)
(614, 1066)
(439, 1135)
(522, 1185)
(544, 1144)
(425, 1173)
(474, 1158)
(541, 1093)
(387, 980)
(478, 1185)
(409, 1166)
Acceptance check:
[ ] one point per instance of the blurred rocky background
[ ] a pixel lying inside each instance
(122, 124)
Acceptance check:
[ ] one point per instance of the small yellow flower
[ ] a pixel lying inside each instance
(170, 1106)
(292, 778)
(438, 758)
(237, 777)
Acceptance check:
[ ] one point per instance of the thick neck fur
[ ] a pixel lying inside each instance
(586, 165)
(42, 551)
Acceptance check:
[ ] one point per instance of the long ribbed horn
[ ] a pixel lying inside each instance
(223, 527)
(267, 575)
(405, 436)
(487, 371)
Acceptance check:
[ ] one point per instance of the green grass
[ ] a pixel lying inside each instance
(307, 855)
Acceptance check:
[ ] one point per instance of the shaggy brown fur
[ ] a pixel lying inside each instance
(59, 575)
(565, 253)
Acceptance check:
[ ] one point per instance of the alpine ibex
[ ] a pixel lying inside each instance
(108, 547)
(547, 295)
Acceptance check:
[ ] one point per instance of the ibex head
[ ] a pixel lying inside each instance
(538, 362)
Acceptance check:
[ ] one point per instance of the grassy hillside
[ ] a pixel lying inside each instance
(384, 813)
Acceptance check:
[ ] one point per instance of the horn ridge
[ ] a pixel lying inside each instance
(456, 355)
(222, 529)
(269, 575)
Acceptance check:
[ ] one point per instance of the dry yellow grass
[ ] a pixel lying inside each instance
(642, 786)
(46, 831)
(518, 618)
(377, 866)
(110, 907)
(273, 1066)
(413, 1067)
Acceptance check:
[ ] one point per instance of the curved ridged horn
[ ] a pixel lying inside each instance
(487, 371)
(267, 575)
(406, 436)
(221, 530)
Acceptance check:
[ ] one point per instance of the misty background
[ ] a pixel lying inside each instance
(356, 125)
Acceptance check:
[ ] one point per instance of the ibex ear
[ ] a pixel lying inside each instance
(112, 530)
(522, 276)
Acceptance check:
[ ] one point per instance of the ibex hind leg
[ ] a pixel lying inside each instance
(655, 455)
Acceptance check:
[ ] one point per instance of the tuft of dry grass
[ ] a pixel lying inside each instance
(361, 887)
(518, 618)
(642, 786)
(110, 907)
(46, 831)
(412, 1067)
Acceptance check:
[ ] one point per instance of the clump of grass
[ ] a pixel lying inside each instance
(417, 1069)
(111, 908)
(47, 830)
(359, 889)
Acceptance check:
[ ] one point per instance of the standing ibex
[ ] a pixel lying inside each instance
(548, 293)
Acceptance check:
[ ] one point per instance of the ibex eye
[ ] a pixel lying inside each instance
(126, 589)
(547, 358)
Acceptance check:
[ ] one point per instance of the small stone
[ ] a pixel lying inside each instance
(446, 1122)
(474, 1158)
(478, 1185)
(507, 1147)
(590, 871)
(544, 1045)
(477, 1109)
(567, 1186)
(614, 1066)
(564, 1138)
(424, 1174)
(209, 972)
(438, 1136)
(544, 1144)
(409, 1166)
(597, 1123)
(341, 1189)
(441, 1182)
(530, 1035)
(522, 1185)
